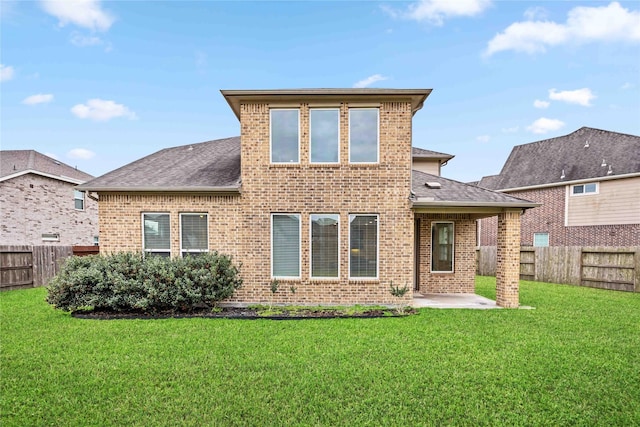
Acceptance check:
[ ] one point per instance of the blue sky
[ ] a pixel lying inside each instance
(101, 84)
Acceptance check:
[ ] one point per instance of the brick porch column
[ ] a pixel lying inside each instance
(508, 259)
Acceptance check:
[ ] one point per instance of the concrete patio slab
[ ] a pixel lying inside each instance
(471, 301)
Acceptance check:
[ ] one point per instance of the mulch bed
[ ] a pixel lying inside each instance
(243, 313)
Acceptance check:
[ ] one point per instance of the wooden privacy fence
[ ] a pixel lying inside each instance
(599, 267)
(31, 266)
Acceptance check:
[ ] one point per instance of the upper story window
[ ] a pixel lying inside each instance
(591, 188)
(325, 135)
(78, 200)
(285, 135)
(364, 135)
(156, 234)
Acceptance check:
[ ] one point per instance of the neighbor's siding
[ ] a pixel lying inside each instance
(617, 202)
(31, 205)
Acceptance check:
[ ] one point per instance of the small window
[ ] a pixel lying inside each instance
(324, 245)
(442, 244)
(50, 237)
(325, 135)
(194, 234)
(285, 246)
(591, 188)
(96, 240)
(285, 136)
(363, 135)
(157, 234)
(363, 246)
(78, 198)
(541, 239)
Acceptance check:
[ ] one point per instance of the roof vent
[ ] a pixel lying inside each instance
(586, 144)
(609, 172)
(563, 175)
(190, 148)
(433, 184)
(604, 163)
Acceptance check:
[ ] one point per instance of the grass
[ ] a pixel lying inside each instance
(574, 360)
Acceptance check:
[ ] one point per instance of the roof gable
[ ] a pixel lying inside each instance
(15, 163)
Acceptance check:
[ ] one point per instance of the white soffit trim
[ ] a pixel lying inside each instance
(47, 175)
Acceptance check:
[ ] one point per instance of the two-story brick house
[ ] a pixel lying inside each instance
(317, 192)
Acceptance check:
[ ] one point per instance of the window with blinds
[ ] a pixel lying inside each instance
(194, 233)
(285, 245)
(363, 246)
(324, 245)
(442, 235)
(156, 234)
(78, 200)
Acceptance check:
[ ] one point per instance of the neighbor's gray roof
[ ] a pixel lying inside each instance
(207, 166)
(18, 162)
(455, 193)
(421, 153)
(542, 162)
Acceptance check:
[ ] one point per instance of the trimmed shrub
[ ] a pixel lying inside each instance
(134, 282)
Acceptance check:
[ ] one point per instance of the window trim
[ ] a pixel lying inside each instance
(377, 135)
(152, 251)
(311, 276)
(84, 199)
(533, 242)
(453, 249)
(377, 277)
(299, 276)
(193, 251)
(271, 136)
(311, 136)
(50, 237)
(584, 187)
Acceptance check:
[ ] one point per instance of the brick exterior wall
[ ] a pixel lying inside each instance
(31, 205)
(549, 218)
(462, 280)
(508, 260)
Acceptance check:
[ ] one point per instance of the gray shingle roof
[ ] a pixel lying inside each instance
(542, 162)
(421, 153)
(207, 166)
(454, 192)
(16, 161)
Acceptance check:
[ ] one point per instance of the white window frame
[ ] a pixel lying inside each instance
(311, 136)
(453, 248)
(377, 134)
(584, 188)
(50, 237)
(84, 200)
(184, 251)
(377, 247)
(271, 136)
(540, 234)
(152, 251)
(299, 276)
(311, 276)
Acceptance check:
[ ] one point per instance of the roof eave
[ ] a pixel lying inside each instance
(572, 182)
(204, 189)
(453, 204)
(47, 175)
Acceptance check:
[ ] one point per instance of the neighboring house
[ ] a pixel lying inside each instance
(39, 204)
(318, 193)
(588, 183)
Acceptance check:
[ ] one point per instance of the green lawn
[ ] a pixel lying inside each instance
(574, 360)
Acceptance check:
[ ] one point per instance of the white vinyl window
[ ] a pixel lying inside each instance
(194, 233)
(325, 135)
(285, 246)
(364, 135)
(156, 234)
(442, 244)
(78, 200)
(363, 246)
(50, 237)
(582, 189)
(285, 136)
(541, 239)
(325, 230)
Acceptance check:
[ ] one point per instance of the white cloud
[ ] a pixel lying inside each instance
(579, 96)
(541, 104)
(436, 11)
(544, 125)
(53, 156)
(83, 13)
(627, 86)
(369, 81)
(6, 73)
(82, 40)
(513, 129)
(483, 138)
(584, 24)
(536, 12)
(81, 153)
(40, 98)
(102, 110)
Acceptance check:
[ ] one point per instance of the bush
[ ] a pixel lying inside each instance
(134, 282)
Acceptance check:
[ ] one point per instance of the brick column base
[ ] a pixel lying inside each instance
(508, 260)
